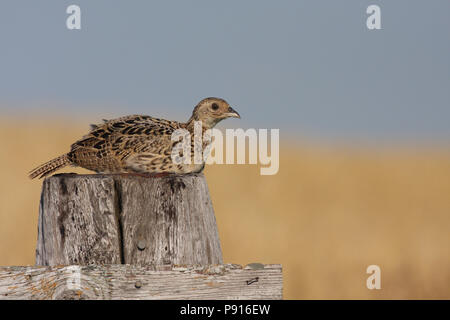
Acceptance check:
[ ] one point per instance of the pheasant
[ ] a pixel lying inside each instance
(138, 144)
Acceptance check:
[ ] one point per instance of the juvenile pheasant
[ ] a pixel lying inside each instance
(137, 144)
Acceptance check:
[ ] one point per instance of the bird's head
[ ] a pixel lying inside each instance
(212, 110)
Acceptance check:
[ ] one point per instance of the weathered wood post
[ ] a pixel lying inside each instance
(128, 237)
(120, 219)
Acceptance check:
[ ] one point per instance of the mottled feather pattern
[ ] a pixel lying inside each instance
(137, 143)
(50, 166)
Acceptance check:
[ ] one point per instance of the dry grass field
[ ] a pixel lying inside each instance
(328, 214)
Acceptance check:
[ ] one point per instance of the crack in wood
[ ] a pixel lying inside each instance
(118, 213)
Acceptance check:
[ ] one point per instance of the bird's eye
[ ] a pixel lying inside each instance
(215, 106)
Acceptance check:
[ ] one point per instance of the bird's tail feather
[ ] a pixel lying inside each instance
(49, 167)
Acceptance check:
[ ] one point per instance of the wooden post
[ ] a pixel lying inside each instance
(120, 219)
(128, 237)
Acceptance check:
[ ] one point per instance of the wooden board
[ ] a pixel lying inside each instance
(255, 281)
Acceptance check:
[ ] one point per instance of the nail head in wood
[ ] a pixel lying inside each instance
(141, 244)
(138, 284)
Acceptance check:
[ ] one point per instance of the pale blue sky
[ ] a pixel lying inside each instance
(310, 68)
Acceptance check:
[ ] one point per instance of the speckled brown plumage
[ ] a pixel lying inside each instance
(137, 143)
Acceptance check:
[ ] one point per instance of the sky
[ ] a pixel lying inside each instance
(310, 68)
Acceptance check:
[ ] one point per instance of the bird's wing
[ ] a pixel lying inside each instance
(118, 139)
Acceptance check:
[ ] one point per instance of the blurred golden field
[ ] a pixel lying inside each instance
(328, 214)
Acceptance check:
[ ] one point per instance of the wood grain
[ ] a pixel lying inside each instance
(113, 219)
(141, 282)
(78, 221)
(173, 222)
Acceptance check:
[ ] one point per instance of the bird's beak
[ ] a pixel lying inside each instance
(232, 113)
